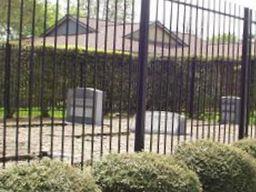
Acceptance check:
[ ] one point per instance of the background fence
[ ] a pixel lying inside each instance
(189, 65)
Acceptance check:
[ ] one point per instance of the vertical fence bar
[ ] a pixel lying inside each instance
(75, 81)
(153, 84)
(85, 81)
(112, 76)
(106, 59)
(95, 79)
(53, 87)
(223, 71)
(122, 80)
(31, 78)
(17, 101)
(192, 87)
(143, 56)
(213, 70)
(176, 69)
(130, 75)
(244, 76)
(238, 50)
(253, 70)
(64, 86)
(170, 67)
(189, 74)
(218, 89)
(234, 66)
(6, 81)
(248, 82)
(42, 76)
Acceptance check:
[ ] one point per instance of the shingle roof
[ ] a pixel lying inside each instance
(109, 35)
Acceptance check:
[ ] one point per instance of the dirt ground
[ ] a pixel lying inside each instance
(96, 141)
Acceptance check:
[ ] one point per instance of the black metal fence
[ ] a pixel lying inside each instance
(170, 71)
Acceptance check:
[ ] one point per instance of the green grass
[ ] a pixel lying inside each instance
(207, 116)
(35, 112)
(58, 114)
(216, 117)
(252, 119)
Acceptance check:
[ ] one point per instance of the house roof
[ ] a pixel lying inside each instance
(111, 35)
(153, 26)
(107, 35)
(82, 23)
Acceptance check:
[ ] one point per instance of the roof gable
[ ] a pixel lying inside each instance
(73, 29)
(158, 34)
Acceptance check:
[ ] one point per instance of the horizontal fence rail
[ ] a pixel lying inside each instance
(82, 79)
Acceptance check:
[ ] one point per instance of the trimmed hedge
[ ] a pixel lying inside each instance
(46, 176)
(144, 172)
(247, 145)
(221, 168)
(55, 71)
(116, 75)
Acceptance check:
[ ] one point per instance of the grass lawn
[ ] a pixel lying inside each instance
(216, 117)
(35, 112)
(58, 114)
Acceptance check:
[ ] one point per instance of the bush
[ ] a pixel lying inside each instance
(144, 172)
(247, 145)
(46, 176)
(221, 168)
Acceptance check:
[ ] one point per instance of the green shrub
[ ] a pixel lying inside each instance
(46, 176)
(144, 172)
(221, 168)
(247, 145)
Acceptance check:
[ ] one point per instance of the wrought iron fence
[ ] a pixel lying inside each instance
(80, 79)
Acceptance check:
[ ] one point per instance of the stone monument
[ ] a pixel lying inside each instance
(80, 103)
(170, 123)
(230, 109)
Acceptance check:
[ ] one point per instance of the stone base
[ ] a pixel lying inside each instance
(170, 123)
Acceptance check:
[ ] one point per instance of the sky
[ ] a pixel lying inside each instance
(203, 21)
(247, 3)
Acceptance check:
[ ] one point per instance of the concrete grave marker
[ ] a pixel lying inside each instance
(87, 109)
(230, 109)
(169, 123)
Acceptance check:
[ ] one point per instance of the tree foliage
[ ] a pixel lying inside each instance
(24, 12)
(111, 9)
(224, 38)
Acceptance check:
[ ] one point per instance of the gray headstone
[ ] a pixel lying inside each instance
(230, 109)
(170, 123)
(84, 112)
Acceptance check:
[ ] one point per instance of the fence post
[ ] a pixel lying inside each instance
(143, 60)
(243, 124)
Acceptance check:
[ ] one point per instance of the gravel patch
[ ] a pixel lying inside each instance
(69, 142)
